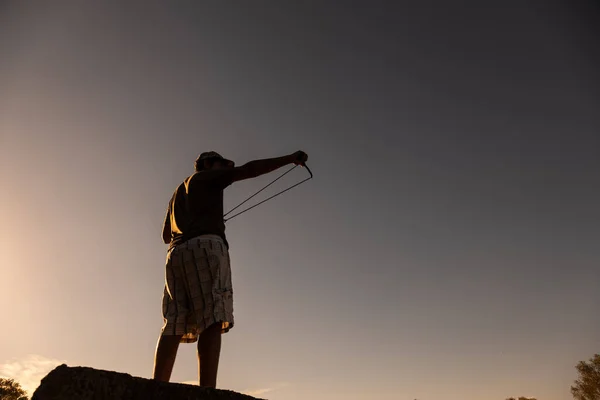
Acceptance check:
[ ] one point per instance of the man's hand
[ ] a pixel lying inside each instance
(299, 157)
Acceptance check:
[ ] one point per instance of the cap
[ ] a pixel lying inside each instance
(210, 155)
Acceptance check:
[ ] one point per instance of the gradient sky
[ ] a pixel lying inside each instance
(446, 248)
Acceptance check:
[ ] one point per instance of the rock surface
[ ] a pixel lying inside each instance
(82, 383)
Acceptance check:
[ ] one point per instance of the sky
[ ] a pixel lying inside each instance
(447, 246)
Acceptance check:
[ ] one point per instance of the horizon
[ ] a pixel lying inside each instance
(446, 247)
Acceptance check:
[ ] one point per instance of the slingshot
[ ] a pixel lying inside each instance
(268, 198)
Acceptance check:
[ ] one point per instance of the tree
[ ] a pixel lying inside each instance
(587, 386)
(11, 390)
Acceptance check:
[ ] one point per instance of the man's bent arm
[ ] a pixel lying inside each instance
(166, 234)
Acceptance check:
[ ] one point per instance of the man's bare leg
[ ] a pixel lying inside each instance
(209, 350)
(164, 359)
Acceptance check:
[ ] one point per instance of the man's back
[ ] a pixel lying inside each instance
(196, 207)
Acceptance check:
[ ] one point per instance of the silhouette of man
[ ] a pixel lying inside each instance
(198, 297)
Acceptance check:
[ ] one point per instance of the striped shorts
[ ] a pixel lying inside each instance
(198, 290)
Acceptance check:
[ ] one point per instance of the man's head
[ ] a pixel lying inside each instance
(212, 160)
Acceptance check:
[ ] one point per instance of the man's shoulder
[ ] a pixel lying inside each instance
(198, 178)
(210, 178)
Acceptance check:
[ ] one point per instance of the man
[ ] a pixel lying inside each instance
(198, 295)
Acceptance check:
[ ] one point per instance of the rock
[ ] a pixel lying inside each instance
(82, 383)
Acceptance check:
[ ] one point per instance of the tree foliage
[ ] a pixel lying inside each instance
(587, 385)
(11, 390)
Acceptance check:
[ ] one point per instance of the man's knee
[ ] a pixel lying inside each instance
(211, 332)
(214, 327)
(170, 340)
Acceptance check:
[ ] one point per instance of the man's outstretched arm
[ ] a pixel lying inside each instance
(256, 168)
